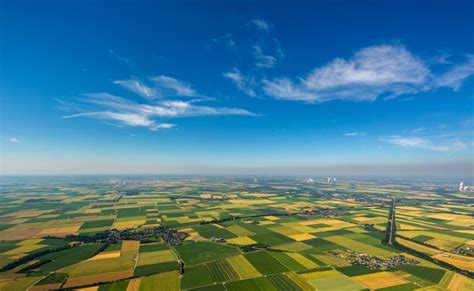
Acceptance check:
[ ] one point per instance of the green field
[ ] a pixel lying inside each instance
(202, 252)
(228, 234)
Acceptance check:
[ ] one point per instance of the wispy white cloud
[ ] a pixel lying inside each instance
(260, 24)
(244, 83)
(441, 58)
(118, 57)
(258, 52)
(418, 129)
(355, 134)
(124, 112)
(425, 143)
(13, 140)
(263, 60)
(456, 76)
(226, 39)
(179, 88)
(372, 72)
(138, 87)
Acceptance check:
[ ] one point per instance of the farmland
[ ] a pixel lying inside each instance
(162, 233)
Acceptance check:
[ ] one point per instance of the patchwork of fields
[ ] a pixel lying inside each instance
(241, 235)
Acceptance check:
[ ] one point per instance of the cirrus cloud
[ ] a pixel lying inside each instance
(372, 72)
(120, 111)
(425, 143)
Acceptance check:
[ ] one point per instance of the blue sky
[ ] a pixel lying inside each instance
(349, 87)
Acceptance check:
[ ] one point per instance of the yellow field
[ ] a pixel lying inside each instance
(266, 222)
(461, 283)
(239, 230)
(418, 247)
(59, 231)
(409, 208)
(134, 284)
(242, 241)
(301, 236)
(105, 255)
(362, 219)
(305, 262)
(156, 257)
(32, 241)
(379, 280)
(404, 226)
(463, 222)
(271, 217)
(320, 274)
(462, 262)
(301, 228)
(251, 202)
(443, 216)
(128, 224)
(243, 267)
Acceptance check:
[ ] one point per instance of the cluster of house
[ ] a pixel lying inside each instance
(376, 263)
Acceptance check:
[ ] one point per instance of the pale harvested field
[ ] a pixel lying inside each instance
(461, 283)
(94, 288)
(130, 245)
(59, 231)
(362, 219)
(379, 280)
(443, 216)
(134, 284)
(266, 222)
(462, 262)
(20, 234)
(409, 227)
(106, 255)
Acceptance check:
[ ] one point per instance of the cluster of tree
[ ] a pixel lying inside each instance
(32, 256)
(144, 235)
(34, 266)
